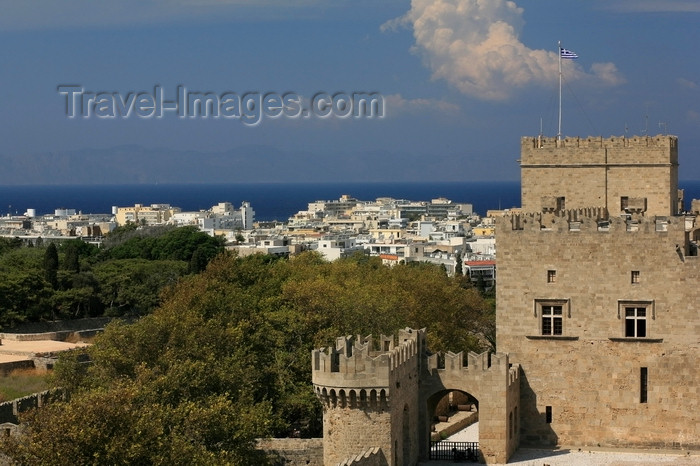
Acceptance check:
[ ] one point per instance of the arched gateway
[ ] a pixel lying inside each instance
(378, 403)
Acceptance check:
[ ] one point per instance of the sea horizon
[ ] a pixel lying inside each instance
(270, 201)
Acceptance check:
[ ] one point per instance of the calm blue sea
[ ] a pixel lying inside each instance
(270, 201)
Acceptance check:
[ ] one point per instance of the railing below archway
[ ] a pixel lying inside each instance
(454, 451)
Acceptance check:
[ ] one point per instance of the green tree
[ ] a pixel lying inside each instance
(24, 295)
(9, 244)
(480, 283)
(198, 262)
(124, 425)
(78, 301)
(134, 286)
(51, 265)
(75, 250)
(167, 243)
(71, 259)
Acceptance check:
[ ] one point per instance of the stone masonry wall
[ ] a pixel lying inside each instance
(493, 381)
(348, 431)
(294, 451)
(384, 400)
(590, 377)
(596, 172)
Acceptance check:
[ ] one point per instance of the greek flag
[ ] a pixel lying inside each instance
(567, 54)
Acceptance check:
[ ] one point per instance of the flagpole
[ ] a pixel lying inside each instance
(559, 53)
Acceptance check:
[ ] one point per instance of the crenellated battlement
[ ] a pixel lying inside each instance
(613, 152)
(365, 375)
(451, 365)
(658, 141)
(588, 220)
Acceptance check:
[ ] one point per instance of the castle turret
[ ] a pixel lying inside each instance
(370, 396)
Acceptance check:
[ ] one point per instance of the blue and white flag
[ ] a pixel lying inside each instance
(567, 54)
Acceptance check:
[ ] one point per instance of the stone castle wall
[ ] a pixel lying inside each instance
(349, 431)
(293, 451)
(590, 376)
(598, 172)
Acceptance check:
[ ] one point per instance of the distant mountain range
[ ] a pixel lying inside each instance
(133, 164)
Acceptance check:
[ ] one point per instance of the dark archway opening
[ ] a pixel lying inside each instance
(454, 426)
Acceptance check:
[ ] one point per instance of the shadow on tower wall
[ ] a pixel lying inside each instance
(535, 425)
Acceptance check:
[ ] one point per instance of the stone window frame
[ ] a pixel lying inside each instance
(552, 319)
(566, 313)
(650, 315)
(635, 277)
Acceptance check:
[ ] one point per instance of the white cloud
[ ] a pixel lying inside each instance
(474, 45)
(687, 83)
(607, 73)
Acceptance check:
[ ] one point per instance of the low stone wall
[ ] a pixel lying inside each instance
(10, 410)
(7, 367)
(369, 457)
(450, 428)
(447, 404)
(61, 335)
(293, 451)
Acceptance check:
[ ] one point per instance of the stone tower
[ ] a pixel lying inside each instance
(598, 295)
(636, 174)
(364, 392)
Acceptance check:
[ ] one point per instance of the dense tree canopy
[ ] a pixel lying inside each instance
(74, 279)
(226, 358)
(164, 243)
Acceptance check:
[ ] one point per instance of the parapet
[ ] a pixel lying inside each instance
(451, 365)
(476, 362)
(595, 219)
(622, 151)
(354, 363)
(695, 206)
(541, 142)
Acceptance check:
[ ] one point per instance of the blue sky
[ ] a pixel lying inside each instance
(461, 80)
